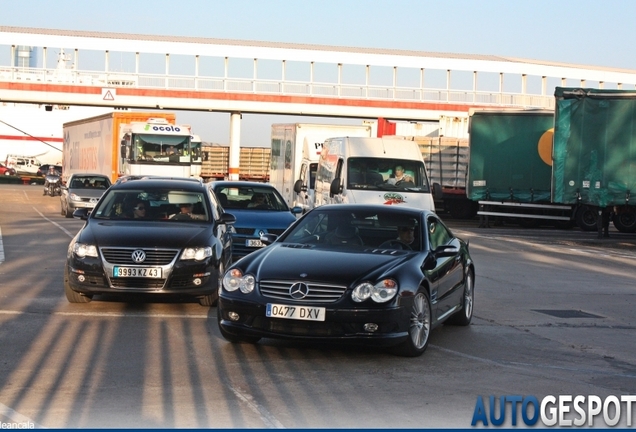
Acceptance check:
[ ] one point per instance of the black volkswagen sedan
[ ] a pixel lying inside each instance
(373, 274)
(151, 236)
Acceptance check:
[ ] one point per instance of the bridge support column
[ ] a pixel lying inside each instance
(235, 146)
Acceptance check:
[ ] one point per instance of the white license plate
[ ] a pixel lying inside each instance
(141, 272)
(295, 312)
(254, 243)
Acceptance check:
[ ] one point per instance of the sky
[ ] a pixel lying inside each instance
(588, 32)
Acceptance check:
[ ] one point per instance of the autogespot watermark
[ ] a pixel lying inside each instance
(17, 425)
(561, 410)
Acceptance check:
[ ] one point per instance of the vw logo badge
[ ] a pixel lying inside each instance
(138, 256)
(93, 200)
(298, 291)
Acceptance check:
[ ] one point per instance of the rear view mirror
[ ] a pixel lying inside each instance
(298, 186)
(268, 238)
(82, 213)
(228, 219)
(446, 251)
(335, 187)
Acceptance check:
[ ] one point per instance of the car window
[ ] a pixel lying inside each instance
(257, 198)
(216, 206)
(89, 182)
(158, 205)
(359, 228)
(438, 234)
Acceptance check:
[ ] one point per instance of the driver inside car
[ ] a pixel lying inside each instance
(400, 177)
(404, 240)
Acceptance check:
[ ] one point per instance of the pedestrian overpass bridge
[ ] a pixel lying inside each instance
(200, 74)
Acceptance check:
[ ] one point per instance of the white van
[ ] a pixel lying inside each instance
(363, 170)
(24, 165)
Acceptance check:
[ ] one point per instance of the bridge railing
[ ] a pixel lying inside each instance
(275, 87)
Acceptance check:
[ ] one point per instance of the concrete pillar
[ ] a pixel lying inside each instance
(235, 146)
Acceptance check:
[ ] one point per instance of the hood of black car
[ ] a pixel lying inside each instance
(145, 234)
(338, 266)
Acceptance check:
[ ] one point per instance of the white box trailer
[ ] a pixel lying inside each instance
(296, 148)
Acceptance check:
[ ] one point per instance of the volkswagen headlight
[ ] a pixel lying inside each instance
(234, 279)
(196, 253)
(381, 292)
(84, 250)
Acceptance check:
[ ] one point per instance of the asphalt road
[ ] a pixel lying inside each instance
(554, 315)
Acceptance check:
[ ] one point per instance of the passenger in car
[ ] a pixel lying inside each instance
(139, 211)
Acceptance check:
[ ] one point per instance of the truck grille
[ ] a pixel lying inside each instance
(154, 257)
(318, 292)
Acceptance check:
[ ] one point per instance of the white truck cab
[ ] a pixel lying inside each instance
(386, 171)
(156, 147)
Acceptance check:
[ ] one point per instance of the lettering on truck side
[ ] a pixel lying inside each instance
(163, 128)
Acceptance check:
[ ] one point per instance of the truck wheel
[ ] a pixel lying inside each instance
(626, 221)
(586, 218)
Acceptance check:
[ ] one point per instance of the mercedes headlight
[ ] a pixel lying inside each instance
(381, 292)
(234, 279)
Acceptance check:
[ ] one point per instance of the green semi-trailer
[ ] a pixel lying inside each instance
(510, 169)
(574, 164)
(595, 152)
